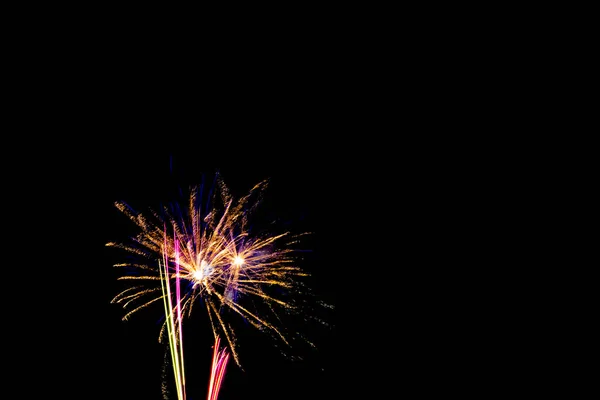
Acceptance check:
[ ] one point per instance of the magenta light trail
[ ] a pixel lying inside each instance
(178, 306)
(219, 363)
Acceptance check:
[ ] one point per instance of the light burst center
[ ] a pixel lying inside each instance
(203, 272)
(238, 260)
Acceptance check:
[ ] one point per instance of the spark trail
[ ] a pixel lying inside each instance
(219, 363)
(174, 326)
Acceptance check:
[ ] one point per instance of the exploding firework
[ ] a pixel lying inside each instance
(206, 254)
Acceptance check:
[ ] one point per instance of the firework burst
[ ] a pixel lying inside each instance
(208, 256)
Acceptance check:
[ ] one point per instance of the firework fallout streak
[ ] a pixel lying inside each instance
(219, 363)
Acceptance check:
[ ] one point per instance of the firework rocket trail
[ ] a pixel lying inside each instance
(219, 363)
(176, 343)
(212, 257)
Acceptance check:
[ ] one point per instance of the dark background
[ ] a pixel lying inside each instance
(79, 345)
(114, 116)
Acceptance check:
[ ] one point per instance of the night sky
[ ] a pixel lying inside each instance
(87, 351)
(102, 129)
